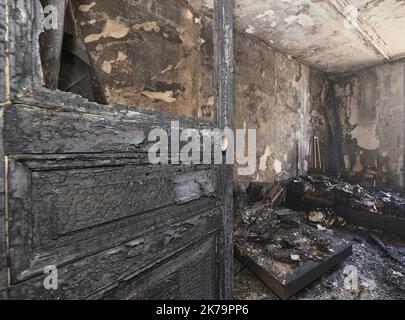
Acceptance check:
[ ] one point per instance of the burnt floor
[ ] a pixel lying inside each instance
(380, 276)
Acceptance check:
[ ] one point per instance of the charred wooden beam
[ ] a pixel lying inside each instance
(224, 91)
(375, 221)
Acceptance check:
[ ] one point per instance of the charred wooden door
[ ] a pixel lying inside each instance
(78, 192)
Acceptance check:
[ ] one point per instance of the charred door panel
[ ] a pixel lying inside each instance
(83, 278)
(3, 99)
(81, 194)
(192, 275)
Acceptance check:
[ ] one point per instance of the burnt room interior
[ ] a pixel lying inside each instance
(322, 217)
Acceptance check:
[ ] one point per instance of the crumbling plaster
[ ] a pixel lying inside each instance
(331, 35)
(153, 54)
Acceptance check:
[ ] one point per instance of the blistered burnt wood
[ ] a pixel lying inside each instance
(73, 247)
(190, 275)
(160, 57)
(375, 221)
(372, 121)
(66, 102)
(3, 246)
(84, 277)
(37, 130)
(272, 97)
(62, 206)
(290, 284)
(69, 102)
(72, 125)
(3, 47)
(224, 92)
(24, 28)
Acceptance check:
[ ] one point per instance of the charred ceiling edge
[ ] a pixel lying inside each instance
(367, 32)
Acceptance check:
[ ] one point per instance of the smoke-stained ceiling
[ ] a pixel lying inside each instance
(331, 35)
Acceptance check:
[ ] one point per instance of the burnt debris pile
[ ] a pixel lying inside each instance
(308, 193)
(291, 232)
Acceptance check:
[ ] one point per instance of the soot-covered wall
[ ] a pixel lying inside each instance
(371, 108)
(280, 98)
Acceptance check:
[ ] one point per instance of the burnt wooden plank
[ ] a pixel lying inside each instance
(85, 198)
(403, 163)
(98, 251)
(190, 275)
(75, 246)
(3, 47)
(151, 52)
(75, 126)
(84, 277)
(51, 41)
(224, 90)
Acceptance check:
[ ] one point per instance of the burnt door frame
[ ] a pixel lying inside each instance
(21, 84)
(224, 93)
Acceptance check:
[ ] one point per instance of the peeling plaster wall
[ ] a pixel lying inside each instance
(159, 55)
(152, 54)
(371, 106)
(273, 96)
